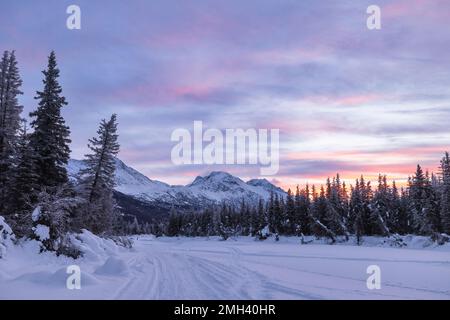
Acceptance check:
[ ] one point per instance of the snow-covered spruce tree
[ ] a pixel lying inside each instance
(24, 187)
(422, 203)
(174, 224)
(380, 206)
(366, 198)
(291, 225)
(50, 139)
(355, 206)
(270, 212)
(52, 219)
(445, 193)
(260, 219)
(98, 178)
(224, 222)
(244, 219)
(358, 227)
(335, 210)
(207, 222)
(318, 216)
(395, 210)
(10, 110)
(302, 206)
(278, 216)
(404, 222)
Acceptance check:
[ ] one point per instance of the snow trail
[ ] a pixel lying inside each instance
(172, 268)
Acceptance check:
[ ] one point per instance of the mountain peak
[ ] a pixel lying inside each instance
(216, 178)
(214, 187)
(265, 184)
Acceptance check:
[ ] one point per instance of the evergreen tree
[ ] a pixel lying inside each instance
(358, 226)
(50, 139)
(10, 110)
(225, 226)
(395, 211)
(291, 225)
(366, 198)
(404, 223)
(174, 225)
(262, 219)
(54, 212)
(278, 216)
(422, 204)
(380, 206)
(24, 187)
(335, 210)
(445, 193)
(302, 207)
(98, 177)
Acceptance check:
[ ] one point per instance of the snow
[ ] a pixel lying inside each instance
(239, 268)
(35, 214)
(42, 232)
(95, 248)
(6, 237)
(113, 266)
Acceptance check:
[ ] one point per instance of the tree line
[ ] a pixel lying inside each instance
(333, 210)
(35, 190)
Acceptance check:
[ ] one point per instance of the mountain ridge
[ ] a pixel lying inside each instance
(211, 189)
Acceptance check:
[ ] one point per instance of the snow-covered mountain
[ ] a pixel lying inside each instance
(214, 188)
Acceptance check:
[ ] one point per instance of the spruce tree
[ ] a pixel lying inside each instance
(174, 225)
(10, 110)
(98, 177)
(291, 226)
(302, 207)
(422, 203)
(395, 211)
(380, 214)
(445, 193)
(50, 139)
(24, 187)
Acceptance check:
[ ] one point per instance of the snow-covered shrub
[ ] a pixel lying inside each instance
(52, 218)
(395, 240)
(6, 237)
(96, 248)
(263, 234)
(440, 238)
(122, 241)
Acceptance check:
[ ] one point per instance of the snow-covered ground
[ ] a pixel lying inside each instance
(200, 268)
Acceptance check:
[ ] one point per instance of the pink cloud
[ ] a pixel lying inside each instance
(434, 9)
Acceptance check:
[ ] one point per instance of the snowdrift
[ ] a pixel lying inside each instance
(6, 237)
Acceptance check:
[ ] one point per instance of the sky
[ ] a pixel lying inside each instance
(345, 98)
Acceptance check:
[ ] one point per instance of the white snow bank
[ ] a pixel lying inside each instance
(29, 273)
(395, 241)
(95, 248)
(57, 278)
(112, 267)
(6, 237)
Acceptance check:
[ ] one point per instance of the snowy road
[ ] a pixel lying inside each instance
(243, 269)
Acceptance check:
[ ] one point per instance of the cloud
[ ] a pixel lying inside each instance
(310, 68)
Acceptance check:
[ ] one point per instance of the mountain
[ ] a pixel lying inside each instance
(147, 198)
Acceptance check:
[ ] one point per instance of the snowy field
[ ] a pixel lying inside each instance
(171, 268)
